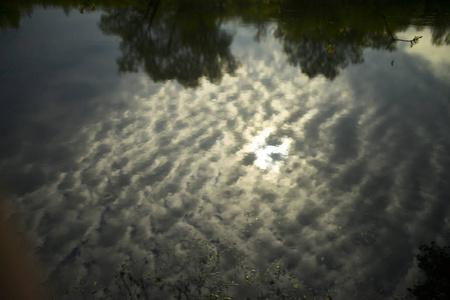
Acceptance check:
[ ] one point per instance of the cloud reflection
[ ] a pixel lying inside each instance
(267, 156)
(339, 180)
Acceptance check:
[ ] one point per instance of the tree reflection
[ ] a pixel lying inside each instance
(311, 56)
(180, 41)
(324, 37)
(434, 262)
(441, 34)
(183, 40)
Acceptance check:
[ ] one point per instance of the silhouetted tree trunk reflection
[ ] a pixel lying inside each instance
(155, 9)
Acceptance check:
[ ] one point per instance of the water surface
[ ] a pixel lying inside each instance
(307, 139)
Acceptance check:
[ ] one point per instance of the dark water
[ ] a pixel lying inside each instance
(309, 142)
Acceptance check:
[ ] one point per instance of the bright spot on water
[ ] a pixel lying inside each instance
(269, 157)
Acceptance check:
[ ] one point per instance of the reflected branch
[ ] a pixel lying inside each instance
(155, 9)
(87, 4)
(413, 41)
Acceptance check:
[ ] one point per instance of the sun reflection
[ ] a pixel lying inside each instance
(269, 157)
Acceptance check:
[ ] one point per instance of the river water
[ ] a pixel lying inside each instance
(315, 155)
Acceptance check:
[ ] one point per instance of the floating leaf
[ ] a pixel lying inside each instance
(296, 285)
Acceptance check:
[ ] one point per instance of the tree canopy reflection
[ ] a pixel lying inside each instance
(172, 42)
(185, 40)
(325, 38)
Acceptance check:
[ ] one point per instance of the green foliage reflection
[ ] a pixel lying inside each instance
(434, 262)
(179, 42)
(184, 40)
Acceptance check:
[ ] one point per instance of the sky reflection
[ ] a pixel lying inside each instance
(268, 157)
(340, 180)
